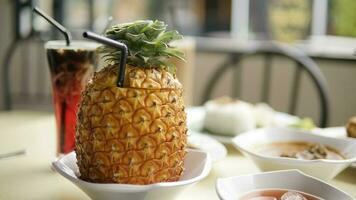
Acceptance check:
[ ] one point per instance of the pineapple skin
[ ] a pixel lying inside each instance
(136, 134)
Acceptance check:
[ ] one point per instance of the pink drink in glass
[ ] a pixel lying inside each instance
(70, 68)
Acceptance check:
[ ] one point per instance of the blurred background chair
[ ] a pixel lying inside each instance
(269, 50)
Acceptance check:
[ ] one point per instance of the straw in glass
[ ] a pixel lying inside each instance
(123, 48)
(67, 36)
(61, 28)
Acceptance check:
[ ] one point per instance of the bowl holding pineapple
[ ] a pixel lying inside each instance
(131, 139)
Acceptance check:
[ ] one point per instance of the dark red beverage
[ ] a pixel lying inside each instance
(70, 67)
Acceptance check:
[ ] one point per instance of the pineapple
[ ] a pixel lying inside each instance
(135, 134)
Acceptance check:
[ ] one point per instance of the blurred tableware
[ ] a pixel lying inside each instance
(197, 166)
(335, 132)
(282, 119)
(13, 154)
(216, 150)
(228, 117)
(195, 118)
(322, 168)
(233, 187)
(70, 67)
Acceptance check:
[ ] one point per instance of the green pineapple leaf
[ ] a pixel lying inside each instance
(148, 43)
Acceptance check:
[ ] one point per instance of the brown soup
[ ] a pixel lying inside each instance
(277, 194)
(299, 150)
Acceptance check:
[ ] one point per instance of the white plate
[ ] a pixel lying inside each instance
(233, 187)
(216, 150)
(197, 166)
(195, 119)
(323, 168)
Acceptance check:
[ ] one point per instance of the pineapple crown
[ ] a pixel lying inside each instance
(148, 44)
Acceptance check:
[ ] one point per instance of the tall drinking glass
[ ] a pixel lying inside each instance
(70, 67)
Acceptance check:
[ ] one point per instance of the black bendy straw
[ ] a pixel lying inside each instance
(68, 37)
(52, 21)
(123, 48)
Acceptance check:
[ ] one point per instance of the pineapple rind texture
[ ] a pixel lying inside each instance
(135, 134)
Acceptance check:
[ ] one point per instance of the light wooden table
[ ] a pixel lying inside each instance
(30, 176)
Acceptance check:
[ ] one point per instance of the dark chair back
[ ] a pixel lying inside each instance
(269, 50)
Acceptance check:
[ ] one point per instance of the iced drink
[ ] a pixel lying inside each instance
(70, 68)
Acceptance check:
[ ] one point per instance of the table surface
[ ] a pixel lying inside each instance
(30, 176)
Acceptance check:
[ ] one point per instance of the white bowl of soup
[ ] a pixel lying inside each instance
(277, 185)
(282, 148)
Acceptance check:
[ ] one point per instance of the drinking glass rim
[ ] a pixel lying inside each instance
(74, 44)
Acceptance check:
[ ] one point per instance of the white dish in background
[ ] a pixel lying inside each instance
(335, 132)
(195, 117)
(195, 122)
(230, 118)
(221, 138)
(216, 150)
(232, 187)
(197, 166)
(323, 169)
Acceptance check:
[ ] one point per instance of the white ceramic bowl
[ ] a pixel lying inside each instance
(197, 166)
(324, 169)
(233, 187)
